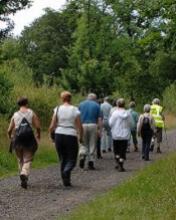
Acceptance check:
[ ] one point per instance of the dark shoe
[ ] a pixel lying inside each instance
(82, 163)
(103, 151)
(152, 147)
(66, 182)
(143, 157)
(158, 150)
(109, 149)
(24, 180)
(99, 157)
(147, 159)
(91, 165)
(121, 168)
(135, 149)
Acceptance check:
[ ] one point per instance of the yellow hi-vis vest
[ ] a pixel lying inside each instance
(156, 111)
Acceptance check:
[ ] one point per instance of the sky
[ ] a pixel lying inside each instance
(27, 16)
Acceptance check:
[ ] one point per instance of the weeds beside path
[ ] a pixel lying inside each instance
(47, 199)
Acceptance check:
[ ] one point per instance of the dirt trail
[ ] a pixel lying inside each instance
(47, 199)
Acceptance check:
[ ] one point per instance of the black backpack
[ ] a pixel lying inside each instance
(146, 127)
(24, 132)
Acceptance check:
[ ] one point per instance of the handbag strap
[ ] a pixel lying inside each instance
(57, 110)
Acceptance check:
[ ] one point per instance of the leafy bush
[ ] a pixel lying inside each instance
(169, 100)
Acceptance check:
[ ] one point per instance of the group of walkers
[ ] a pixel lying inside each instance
(82, 131)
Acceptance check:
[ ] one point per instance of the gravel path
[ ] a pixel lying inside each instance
(46, 198)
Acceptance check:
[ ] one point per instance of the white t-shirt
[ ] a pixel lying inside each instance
(18, 116)
(66, 116)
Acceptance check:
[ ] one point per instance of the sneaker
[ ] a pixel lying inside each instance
(24, 180)
(82, 163)
(103, 151)
(91, 165)
(109, 149)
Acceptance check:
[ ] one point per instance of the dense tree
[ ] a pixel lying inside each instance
(44, 44)
(9, 7)
(102, 46)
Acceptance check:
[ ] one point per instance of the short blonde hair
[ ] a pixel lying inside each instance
(66, 96)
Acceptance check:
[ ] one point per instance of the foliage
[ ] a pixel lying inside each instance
(101, 46)
(169, 100)
(148, 195)
(44, 43)
(10, 7)
(5, 90)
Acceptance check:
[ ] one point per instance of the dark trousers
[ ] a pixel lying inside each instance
(67, 149)
(98, 147)
(134, 137)
(146, 141)
(120, 147)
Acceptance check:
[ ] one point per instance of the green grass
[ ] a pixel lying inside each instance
(150, 194)
(45, 156)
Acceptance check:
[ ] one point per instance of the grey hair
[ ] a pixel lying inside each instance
(132, 104)
(106, 98)
(156, 101)
(147, 108)
(92, 96)
(121, 102)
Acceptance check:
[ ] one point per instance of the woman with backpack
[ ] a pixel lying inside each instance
(66, 125)
(23, 140)
(145, 128)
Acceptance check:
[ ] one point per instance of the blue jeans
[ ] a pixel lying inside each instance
(146, 141)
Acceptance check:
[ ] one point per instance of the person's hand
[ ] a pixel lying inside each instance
(38, 137)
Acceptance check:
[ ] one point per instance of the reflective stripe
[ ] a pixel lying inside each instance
(156, 111)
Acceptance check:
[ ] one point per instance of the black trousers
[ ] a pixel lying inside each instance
(146, 141)
(98, 147)
(120, 147)
(67, 149)
(134, 137)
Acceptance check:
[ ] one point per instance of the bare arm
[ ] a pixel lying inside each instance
(10, 129)
(36, 124)
(79, 127)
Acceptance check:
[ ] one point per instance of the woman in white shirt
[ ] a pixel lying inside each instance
(67, 126)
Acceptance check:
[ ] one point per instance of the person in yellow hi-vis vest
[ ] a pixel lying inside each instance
(157, 113)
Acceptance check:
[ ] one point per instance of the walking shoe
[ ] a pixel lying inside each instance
(158, 150)
(135, 149)
(82, 163)
(121, 168)
(103, 151)
(109, 149)
(66, 182)
(91, 165)
(24, 180)
(152, 147)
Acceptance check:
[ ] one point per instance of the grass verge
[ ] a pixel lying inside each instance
(45, 156)
(148, 195)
